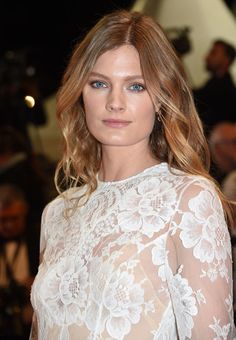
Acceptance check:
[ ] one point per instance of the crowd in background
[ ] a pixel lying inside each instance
(26, 186)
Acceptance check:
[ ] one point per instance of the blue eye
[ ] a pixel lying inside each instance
(98, 84)
(137, 87)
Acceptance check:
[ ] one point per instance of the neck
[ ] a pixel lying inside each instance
(120, 163)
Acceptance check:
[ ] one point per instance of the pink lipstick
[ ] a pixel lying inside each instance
(116, 123)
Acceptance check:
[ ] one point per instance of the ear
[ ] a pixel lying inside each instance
(157, 107)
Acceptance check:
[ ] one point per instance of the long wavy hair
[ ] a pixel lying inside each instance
(177, 137)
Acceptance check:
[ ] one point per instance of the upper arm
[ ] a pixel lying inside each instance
(34, 329)
(43, 232)
(201, 266)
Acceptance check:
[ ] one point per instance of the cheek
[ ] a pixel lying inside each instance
(89, 107)
(90, 113)
(150, 124)
(143, 126)
(92, 106)
(89, 122)
(148, 117)
(92, 122)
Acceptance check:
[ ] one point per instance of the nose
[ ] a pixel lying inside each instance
(115, 101)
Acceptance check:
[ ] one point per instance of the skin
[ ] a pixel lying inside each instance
(120, 113)
(13, 224)
(13, 220)
(217, 62)
(224, 147)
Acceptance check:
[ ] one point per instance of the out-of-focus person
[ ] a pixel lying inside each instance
(222, 141)
(216, 99)
(18, 168)
(17, 264)
(229, 189)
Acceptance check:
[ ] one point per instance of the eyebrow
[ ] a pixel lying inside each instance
(133, 77)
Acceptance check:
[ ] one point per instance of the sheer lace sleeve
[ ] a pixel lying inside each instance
(34, 325)
(34, 329)
(43, 231)
(199, 257)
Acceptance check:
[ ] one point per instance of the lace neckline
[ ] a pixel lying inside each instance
(158, 166)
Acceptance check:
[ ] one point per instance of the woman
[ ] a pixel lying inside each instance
(138, 247)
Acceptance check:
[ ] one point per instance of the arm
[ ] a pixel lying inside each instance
(34, 329)
(34, 325)
(200, 276)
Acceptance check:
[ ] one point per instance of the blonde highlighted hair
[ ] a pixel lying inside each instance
(177, 137)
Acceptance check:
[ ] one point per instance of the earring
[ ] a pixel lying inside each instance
(158, 115)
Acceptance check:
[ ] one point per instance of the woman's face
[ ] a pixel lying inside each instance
(119, 110)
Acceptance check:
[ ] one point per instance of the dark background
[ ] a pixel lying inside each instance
(42, 34)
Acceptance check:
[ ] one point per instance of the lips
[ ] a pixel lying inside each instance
(116, 123)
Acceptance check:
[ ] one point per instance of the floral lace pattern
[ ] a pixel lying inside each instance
(148, 257)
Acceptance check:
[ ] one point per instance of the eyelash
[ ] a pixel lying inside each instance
(141, 87)
(94, 84)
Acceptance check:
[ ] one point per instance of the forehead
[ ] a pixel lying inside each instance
(15, 208)
(125, 56)
(225, 133)
(217, 49)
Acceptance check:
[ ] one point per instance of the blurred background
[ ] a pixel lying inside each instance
(36, 41)
(37, 38)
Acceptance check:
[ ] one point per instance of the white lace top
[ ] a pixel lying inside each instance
(148, 257)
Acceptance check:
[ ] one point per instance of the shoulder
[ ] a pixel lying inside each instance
(56, 213)
(194, 188)
(63, 201)
(194, 184)
(198, 187)
(199, 201)
(166, 177)
(186, 180)
(179, 185)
